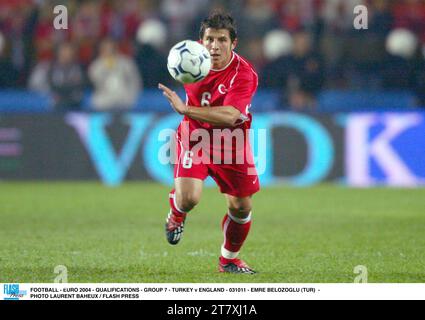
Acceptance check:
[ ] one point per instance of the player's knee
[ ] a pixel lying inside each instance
(187, 200)
(240, 210)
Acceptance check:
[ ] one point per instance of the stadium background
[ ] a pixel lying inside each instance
(310, 58)
(341, 106)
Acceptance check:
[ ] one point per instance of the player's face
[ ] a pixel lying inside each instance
(219, 45)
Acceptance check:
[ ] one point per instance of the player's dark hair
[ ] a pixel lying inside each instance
(219, 20)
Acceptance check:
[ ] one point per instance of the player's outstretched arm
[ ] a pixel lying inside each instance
(226, 116)
(178, 105)
(223, 116)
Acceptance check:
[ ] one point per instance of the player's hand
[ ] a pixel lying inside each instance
(178, 105)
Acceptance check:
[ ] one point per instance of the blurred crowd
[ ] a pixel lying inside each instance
(299, 47)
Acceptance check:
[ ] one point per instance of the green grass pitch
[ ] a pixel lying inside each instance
(310, 235)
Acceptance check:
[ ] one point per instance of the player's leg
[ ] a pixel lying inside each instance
(183, 198)
(238, 183)
(236, 225)
(189, 174)
(187, 192)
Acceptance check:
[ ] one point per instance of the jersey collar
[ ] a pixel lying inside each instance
(225, 67)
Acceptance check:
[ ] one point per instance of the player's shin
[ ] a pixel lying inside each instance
(174, 225)
(235, 231)
(175, 210)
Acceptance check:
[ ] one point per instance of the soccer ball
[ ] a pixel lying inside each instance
(189, 61)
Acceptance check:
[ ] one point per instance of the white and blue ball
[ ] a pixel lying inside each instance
(189, 62)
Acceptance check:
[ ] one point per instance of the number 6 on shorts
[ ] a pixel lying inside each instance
(187, 159)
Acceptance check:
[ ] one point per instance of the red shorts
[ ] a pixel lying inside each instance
(239, 180)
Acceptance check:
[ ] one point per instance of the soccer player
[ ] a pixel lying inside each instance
(220, 101)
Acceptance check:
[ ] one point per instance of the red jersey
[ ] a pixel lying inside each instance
(235, 173)
(234, 85)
